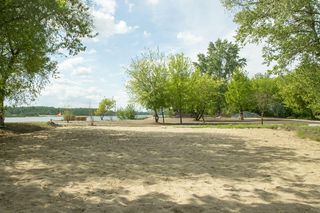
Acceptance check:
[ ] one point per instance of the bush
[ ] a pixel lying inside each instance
(68, 116)
(81, 118)
(127, 113)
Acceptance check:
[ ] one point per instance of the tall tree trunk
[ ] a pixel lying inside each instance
(219, 110)
(203, 120)
(1, 110)
(241, 115)
(156, 116)
(202, 113)
(162, 113)
(312, 116)
(262, 114)
(198, 116)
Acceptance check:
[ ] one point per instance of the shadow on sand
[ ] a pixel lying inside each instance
(36, 168)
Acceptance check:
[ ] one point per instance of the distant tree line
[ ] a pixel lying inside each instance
(43, 110)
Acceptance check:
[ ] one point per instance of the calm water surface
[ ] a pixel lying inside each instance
(58, 118)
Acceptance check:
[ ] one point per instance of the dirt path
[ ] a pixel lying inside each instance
(159, 169)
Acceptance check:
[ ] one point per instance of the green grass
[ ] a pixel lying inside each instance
(310, 132)
(238, 126)
(302, 130)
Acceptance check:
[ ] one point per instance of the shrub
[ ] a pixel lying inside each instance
(68, 116)
(127, 113)
(81, 118)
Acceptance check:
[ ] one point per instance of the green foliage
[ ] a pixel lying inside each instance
(203, 94)
(148, 79)
(221, 61)
(239, 95)
(300, 90)
(127, 113)
(179, 84)
(291, 32)
(310, 132)
(31, 33)
(105, 106)
(264, 91)
(290, 29)
(68, 116)
(42, 110)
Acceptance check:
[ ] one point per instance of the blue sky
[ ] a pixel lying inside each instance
(126, 28)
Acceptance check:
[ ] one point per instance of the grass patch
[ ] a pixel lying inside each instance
(238, 126)
(310, 132)
(303, 131)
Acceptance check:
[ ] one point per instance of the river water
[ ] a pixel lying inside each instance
(58, 118)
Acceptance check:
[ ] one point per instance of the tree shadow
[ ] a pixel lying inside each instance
(39, 172)
(23, 128)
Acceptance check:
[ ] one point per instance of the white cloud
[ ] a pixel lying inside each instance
(104, 19)
(71, 63)
(146, 34)
(189, 37)
(82, 71)
(121, 98)
(64, 92)
(76, 65)
(91, 51)
(130, 5)
(253, 54)
(106, 6)
(255, 62)
(153, 2)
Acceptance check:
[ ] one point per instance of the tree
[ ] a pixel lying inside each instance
(203, 94)
(265, 89)
(239, 95)
(221, 61)
(31, 33)
(290, 29)
(300, 90)
(104, 107)
(127, 113)
(180, 69)
(68, 116)
(148, 79)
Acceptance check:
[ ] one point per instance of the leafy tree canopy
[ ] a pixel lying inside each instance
(290, 28)
(221, 60)
(300, 89)
(239, 95)
(203, 94)
(265, 91)
(180, 69)
(105, 106)
(31, 32)
(148, 79)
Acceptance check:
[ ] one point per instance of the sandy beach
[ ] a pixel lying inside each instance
(158, 169)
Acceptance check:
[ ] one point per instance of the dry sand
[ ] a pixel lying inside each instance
(159, 169)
